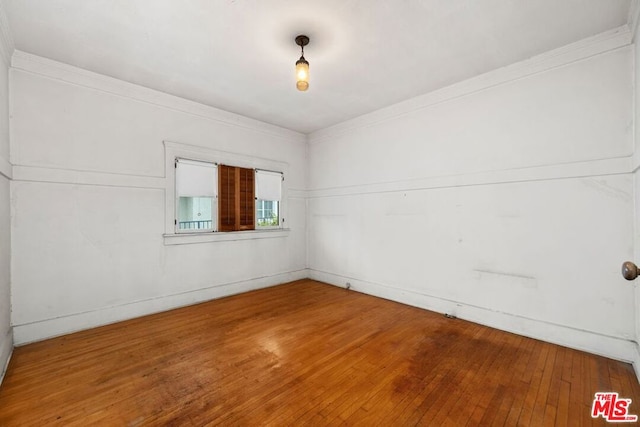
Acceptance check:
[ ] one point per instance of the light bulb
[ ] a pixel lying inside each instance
(302, 74)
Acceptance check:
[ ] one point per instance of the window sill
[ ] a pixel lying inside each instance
(190, 238)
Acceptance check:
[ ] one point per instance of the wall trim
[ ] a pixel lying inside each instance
(634, 17)
(6, 169)
(38, 330)
(592, 342)
(6, 351)
(104, 179)
(230, 236)
(55, 70)
(7, 46)
(604, 167)
(77, 177)
(635, 162)
(608, 41)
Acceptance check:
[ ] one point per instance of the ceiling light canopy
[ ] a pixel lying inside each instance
(302, 65)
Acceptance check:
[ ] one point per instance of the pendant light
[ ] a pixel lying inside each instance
(302, 65)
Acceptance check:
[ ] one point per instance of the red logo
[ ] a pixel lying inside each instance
(612, 408)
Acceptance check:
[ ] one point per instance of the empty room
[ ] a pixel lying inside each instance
(336, 212)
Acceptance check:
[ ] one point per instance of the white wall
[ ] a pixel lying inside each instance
(6, 333)
(88, 199)
(506, 200)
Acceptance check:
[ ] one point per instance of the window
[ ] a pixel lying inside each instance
(268, 195)
(191, 188)
(195, 195)
(212, 197)
(267, 213)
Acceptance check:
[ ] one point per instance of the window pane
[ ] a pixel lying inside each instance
(195, 213)
(267, 214)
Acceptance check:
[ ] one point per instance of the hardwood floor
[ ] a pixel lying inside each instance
(305, 353)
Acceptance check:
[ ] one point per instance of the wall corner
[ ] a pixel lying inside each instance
(6, 39)
(6, 351)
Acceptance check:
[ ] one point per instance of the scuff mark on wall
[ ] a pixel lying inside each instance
(510, 279)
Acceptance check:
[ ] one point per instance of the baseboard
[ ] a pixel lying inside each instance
(6, 350)
(636, 361)
(49, 328)
(612, 347)
(592, 342)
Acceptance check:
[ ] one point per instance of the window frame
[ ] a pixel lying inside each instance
(196, 153)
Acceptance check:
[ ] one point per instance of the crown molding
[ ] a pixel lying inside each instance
(583, 49)
(55, 70)
(6, 39)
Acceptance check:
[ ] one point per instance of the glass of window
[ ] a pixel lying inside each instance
(267, 213)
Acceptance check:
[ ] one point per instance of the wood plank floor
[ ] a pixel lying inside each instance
(305, 353)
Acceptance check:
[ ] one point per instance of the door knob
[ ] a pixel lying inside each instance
(630, 271)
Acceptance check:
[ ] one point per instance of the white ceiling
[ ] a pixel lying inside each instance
(239, 55)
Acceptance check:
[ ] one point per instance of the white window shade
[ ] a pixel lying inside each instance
(268, 185)
(196, 179)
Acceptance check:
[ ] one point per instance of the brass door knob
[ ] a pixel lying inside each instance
(630, 270)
